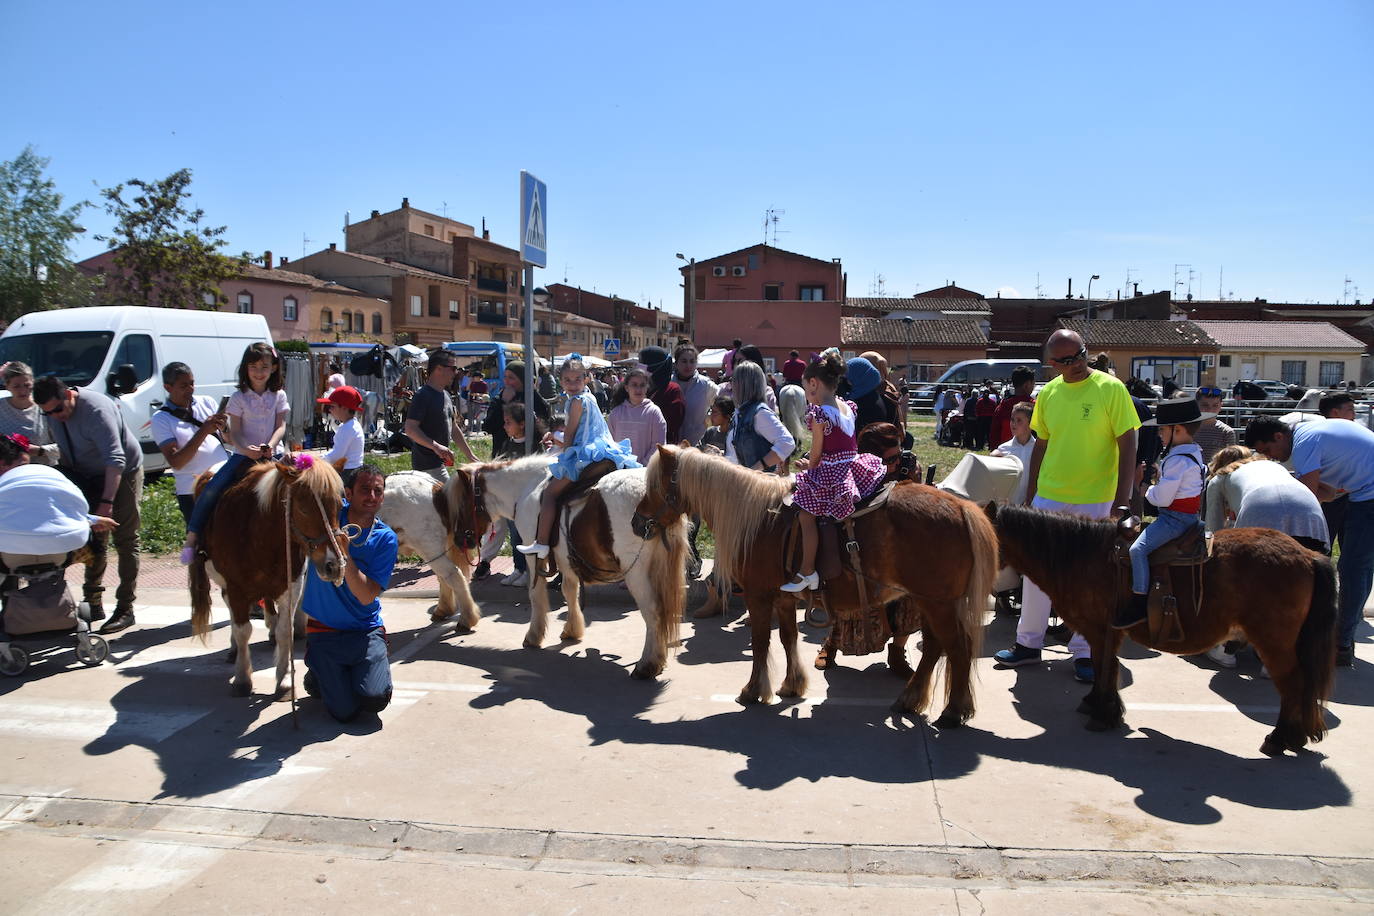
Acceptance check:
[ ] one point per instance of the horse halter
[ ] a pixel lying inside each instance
(330, 531)
(469, 539)
(646, 526)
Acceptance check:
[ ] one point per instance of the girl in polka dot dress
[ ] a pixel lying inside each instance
(838, 476)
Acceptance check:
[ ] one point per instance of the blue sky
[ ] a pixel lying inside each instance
(983, 143)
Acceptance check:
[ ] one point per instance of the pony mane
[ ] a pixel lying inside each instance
(735, 501)
(319, 479)
(1058, 543)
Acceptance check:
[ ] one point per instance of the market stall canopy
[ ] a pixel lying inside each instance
(591, 362)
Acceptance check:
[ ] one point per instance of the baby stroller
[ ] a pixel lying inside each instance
(37, 607)
(952, 433)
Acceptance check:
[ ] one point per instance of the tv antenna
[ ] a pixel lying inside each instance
(1039, 290)
(772, 215)
(878, 288)
(1348, 289)
(1178, 282)
(304, 241)
(445, 203)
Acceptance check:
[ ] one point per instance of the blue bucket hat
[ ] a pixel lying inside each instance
(863, 376)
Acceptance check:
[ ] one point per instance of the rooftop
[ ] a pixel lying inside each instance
(1275, 335)
(963, 305)
(1127, 332)
(936, 332)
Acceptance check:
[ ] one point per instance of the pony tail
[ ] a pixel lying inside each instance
(1316, 648)
(199, 581)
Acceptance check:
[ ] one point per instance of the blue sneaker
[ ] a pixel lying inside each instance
(1017, 655)
(1083, 670)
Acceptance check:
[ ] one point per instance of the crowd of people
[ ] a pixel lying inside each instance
(1087, 444)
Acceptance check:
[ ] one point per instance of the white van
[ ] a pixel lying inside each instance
(121, 349)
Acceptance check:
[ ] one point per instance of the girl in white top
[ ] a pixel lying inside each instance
(257, 424)
(344, 403)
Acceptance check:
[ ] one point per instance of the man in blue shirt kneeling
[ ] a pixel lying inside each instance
(345, 642)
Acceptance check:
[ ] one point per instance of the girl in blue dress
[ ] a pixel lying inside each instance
(589, 443)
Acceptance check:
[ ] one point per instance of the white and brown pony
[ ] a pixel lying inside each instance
(264, 529)
(595, 545)
(416, 507)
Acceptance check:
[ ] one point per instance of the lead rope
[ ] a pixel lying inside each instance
(290, 612)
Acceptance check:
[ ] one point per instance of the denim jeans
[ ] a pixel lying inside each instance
(352, 670)
(225, 477)
(1161, 531)
(517, 556)
(1356, 568)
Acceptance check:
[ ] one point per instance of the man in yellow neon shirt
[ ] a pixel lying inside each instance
(1083, 464)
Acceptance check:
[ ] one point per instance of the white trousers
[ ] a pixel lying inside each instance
(1035, 604)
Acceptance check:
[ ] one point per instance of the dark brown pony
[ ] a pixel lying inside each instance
(1262, 582)
(251, 557)
(950, 585)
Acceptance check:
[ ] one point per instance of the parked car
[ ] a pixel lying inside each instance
(121, 349)
(1274, 390)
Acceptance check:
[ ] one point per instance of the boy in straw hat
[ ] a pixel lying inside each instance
(1177, 493)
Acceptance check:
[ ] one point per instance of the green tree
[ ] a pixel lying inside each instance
(164, 255)
(36, 232)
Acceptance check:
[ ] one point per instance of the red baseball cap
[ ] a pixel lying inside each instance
(345, 396)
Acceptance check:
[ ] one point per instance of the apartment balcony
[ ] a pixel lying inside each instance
(491, 286)
(497, 319)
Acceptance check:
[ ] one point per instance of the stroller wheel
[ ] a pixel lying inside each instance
(92, 650)
(13, 659)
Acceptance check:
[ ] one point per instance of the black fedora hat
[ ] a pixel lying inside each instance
(1183, 410)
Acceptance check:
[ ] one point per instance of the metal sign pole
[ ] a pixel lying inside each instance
(531, 361)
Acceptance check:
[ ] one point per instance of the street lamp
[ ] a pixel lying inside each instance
(909, 321)
(1090, 303)
(691, 293)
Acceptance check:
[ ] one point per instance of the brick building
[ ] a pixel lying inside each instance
(411, 236)
(778, 300)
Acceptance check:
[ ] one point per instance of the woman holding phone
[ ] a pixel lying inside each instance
(187, 429)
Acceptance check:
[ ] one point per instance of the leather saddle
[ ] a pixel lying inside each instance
(1175, 577)
(834, 555)
(591, 475)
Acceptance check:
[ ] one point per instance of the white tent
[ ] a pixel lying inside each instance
(591, 362)
(712, 358)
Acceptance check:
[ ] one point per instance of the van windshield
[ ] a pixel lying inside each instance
(73, 356)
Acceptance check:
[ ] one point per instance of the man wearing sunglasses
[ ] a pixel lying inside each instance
(1214, 434)
(102, 457)
(1083, 464)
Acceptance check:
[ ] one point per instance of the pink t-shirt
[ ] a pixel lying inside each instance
(644, 426)
(257, 414)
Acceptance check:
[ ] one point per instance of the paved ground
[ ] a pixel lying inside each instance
(549, 781)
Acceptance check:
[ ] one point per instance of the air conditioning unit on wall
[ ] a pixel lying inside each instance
(717, 271)
(737, 271)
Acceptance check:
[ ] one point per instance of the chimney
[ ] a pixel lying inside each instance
(405, 203)
(333, 246)
(376, 213)
(1070, 295)
(486, 235)
(283, 260)
(267, 259)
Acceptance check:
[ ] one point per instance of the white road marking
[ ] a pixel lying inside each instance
(75, 721)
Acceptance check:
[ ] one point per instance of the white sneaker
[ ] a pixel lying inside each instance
(520, 580)
(802, 583)
(510, 580)
(1223, 658)
(534, 550)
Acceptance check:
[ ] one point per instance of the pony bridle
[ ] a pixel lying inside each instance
(331, 531)
(646, 526)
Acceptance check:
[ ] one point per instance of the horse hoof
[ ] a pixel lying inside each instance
(285, 695)
(531, 644)
(568, 636)
(788, 692)
(748, 699)
(646, 672)
(1272, 747)
(949, 720)
(240, 690)
(440, 618)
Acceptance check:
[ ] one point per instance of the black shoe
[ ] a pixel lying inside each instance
(482, 570)
(1345, 656)
(122, 620)
(310, 683)
(1127, 615)
(97, 610)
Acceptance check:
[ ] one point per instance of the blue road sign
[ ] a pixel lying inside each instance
(612, 346)
(534, 220)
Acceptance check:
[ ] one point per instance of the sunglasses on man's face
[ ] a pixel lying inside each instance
(1069, 360)
(61, 406)
(1209, 392)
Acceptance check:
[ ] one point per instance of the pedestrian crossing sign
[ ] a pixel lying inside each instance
(534, 216)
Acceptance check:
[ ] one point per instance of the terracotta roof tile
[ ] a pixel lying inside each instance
(1280, 335)
(937, 332)
(885, 305)
(1130, 332)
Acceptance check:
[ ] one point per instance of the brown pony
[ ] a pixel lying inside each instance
(950, 585)
(251, 558)
(1260, 581)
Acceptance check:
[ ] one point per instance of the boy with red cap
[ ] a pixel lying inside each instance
(343, 405)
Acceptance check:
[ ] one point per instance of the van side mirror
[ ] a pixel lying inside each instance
(123, 380)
